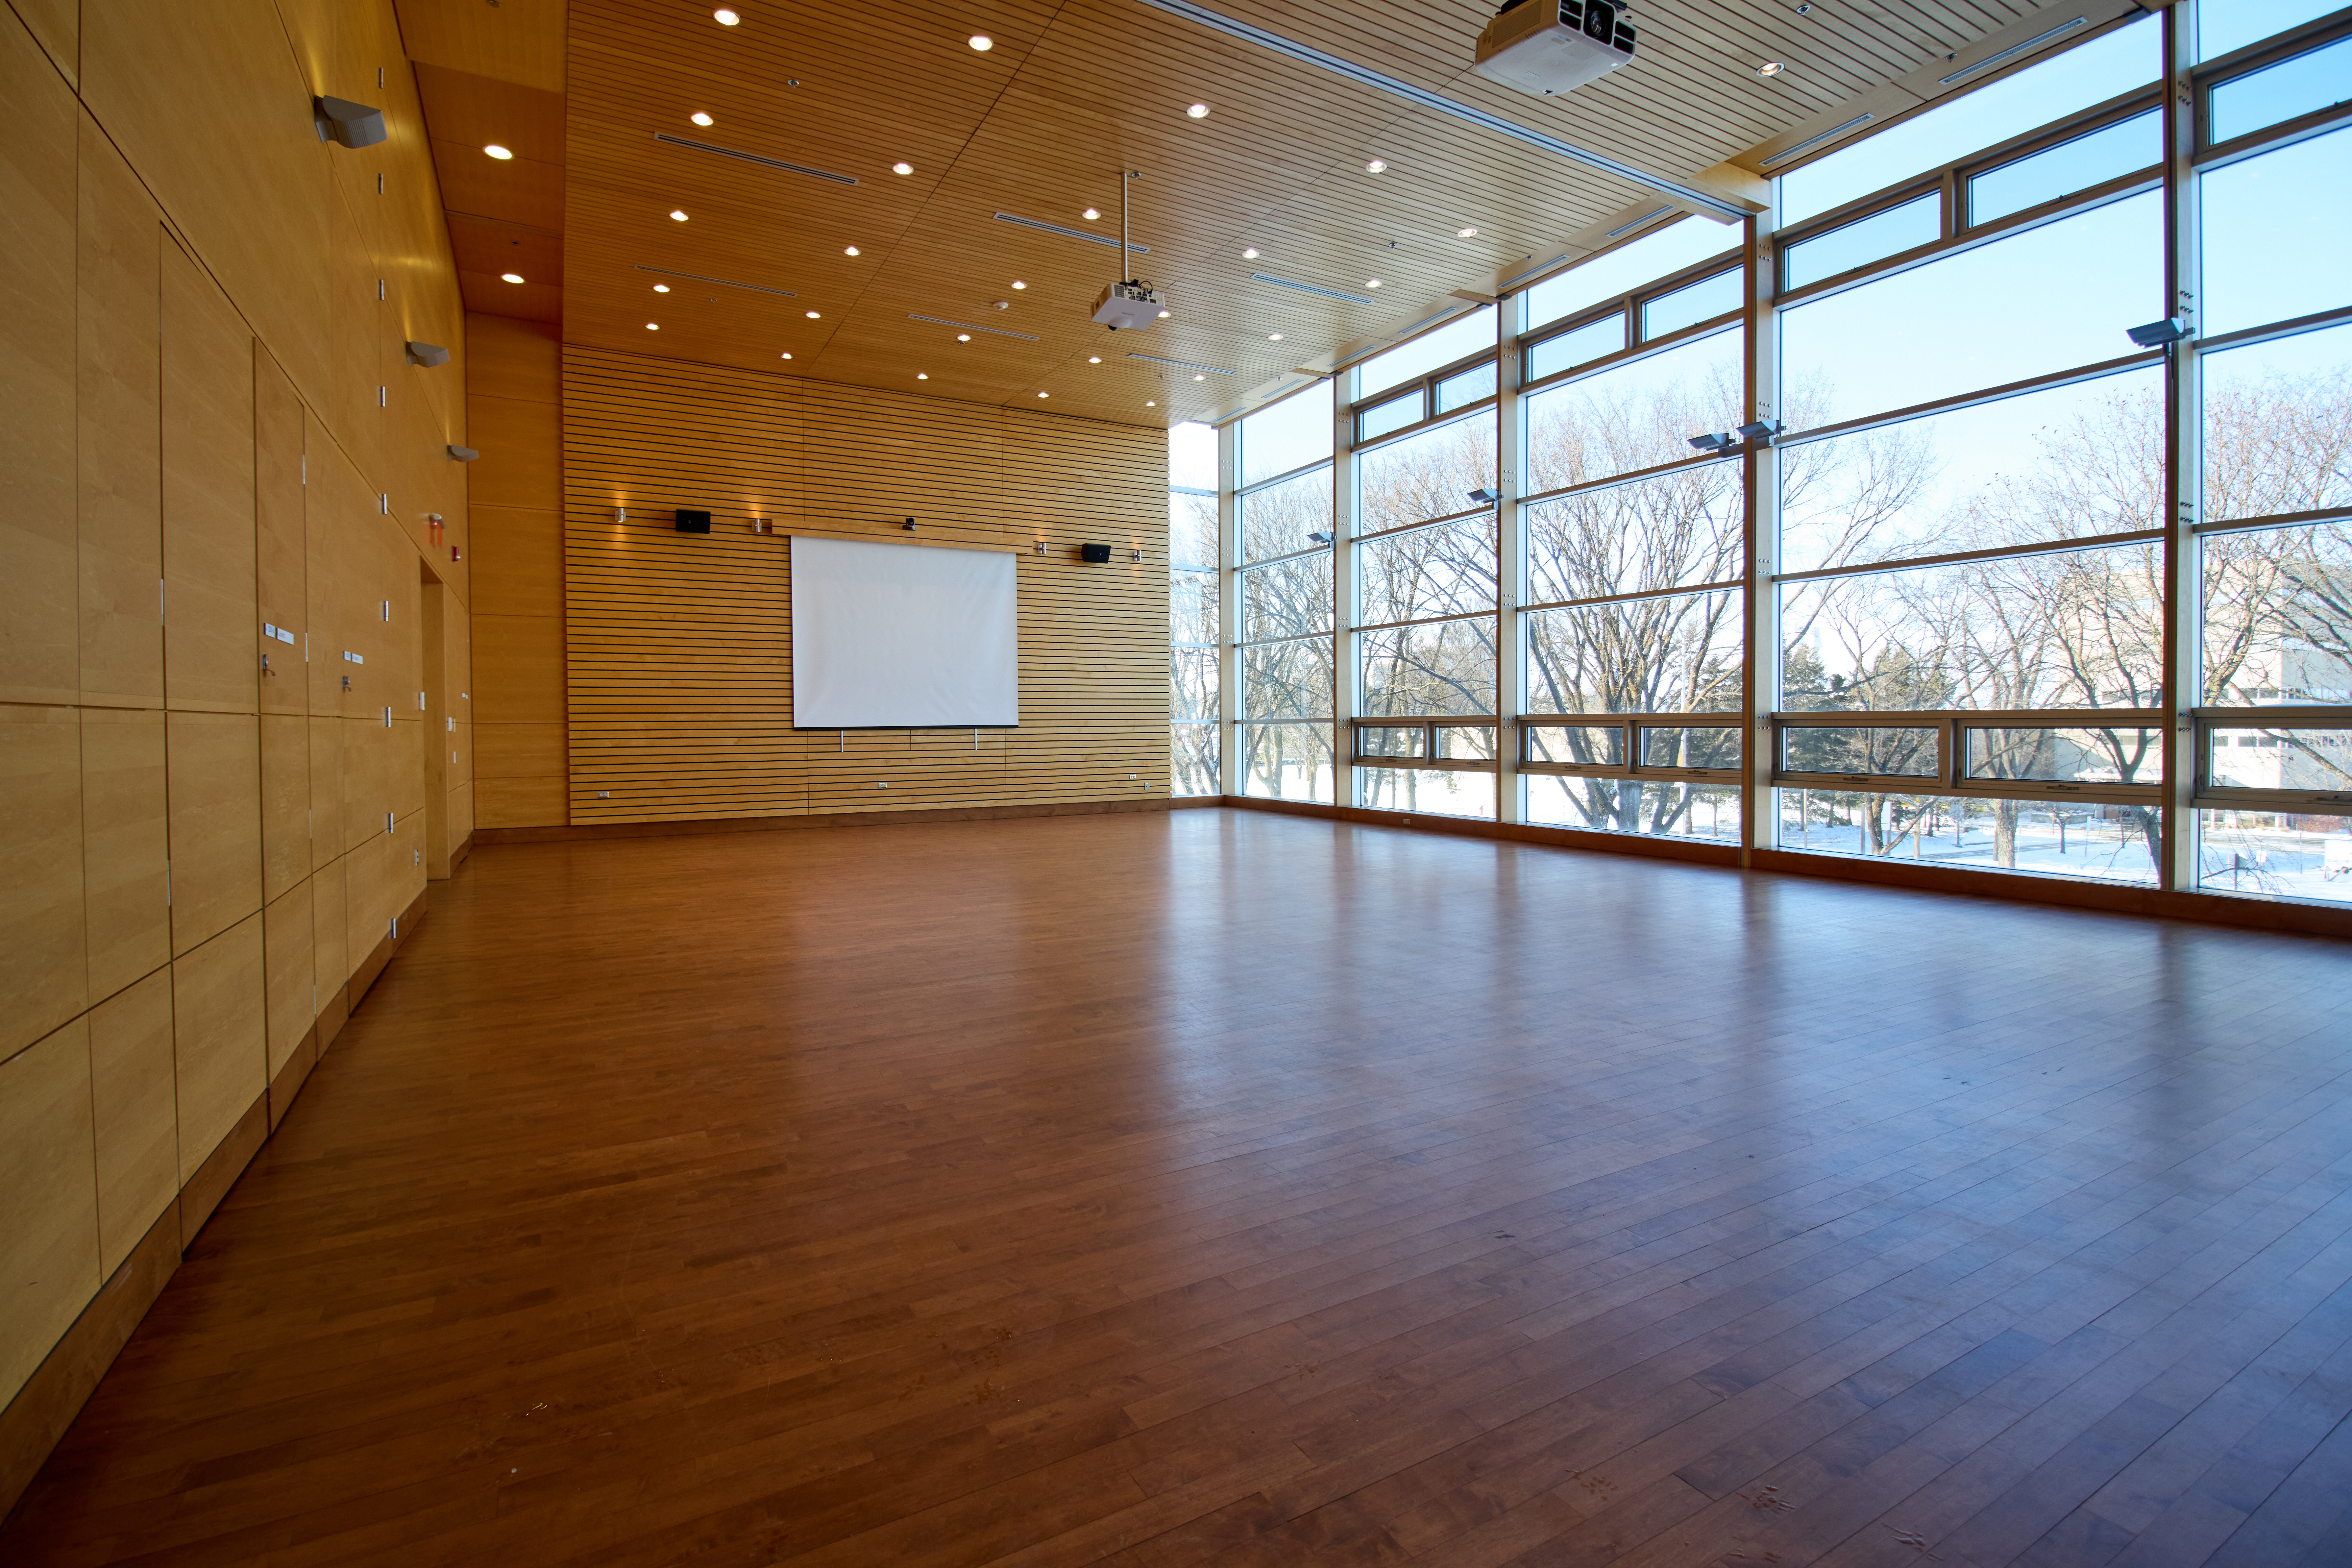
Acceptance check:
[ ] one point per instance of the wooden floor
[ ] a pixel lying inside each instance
(1226, 1187)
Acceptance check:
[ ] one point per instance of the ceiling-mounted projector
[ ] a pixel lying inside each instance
(1552, 45)
(1132, 305)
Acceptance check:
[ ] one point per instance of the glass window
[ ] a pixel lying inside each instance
(1461, 391)
(1690, 745)
(2224, 27)
(2059, 754)
(1685, 242)
(1290, 435)
(2278, 426)
(1192, 760)
(1192, 684)
(1391, 740)
(1435, 667)
(2069, 461)
(1691, 304)
(1192, 456)
(1281, 518)
(1626, 805)
(1424, 475)
(2077, 165)
(1377, 421)
(2277, 231)
(2278, 616)
(2275, 852)
(1637, 415)
(1593, 341)
(1681, 528)
(1286, 598)
(1578, 745)
(1445, 792)
(1676, 653)
(2063, 839)
(2304, 84)
(1448, 569)
(2066, 83)
(1287, 681)
(1888, 750)
(1192, 606)
(1192, 529)
(2312, 758)
(1458, 339)
(1465, 742)
(2058, 295)
(2076, 628)
(1285, 762)
(1857, 244)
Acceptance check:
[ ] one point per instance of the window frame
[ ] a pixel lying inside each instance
(1951, 777)
(1632, 725)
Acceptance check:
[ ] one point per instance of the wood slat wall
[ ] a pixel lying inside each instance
(209, 425)
(678, 647)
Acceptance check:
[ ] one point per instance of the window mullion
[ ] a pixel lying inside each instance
(2176, 868)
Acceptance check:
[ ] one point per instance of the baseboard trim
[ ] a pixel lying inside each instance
(201, 1193)
(36, 1420)
(688, 827)
(293, 1076)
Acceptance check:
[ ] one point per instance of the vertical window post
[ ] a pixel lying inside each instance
(2184, 661)
(1510, 560)
(1229, 589)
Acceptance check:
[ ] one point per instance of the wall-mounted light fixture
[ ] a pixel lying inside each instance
(346, 123)
(2158, 335)
(463, 454)
(1760, 429)
(427, 354)
(1483, 497)
(1710, 442)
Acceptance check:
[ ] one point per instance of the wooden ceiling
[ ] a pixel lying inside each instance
(1039, 126)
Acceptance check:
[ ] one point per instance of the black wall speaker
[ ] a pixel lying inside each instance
(1095, 553)
(693, 521)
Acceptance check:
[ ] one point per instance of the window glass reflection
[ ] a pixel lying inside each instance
(2277, 232)
(1858, 243)
(2077, 165)
(1637, 415)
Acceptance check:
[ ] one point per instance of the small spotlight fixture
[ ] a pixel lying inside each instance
(1151, 406)
(510, 277)
(725, 17)
(427, 354)
(963, 337)
(849, 250)
(347, 124)
(1250, 254)
(1273, 337)
(1018, 284)
(812, 315)
(1200, 378)
(1372, 282)
(2157, 334)
(1094, 359)
(1760, 429)
(1465, 233)
(1198, 110)
(1092, 215)
(982, 42)
(676, 215)
(699, 118)
(661, 287)
(500, 153)
(653, 326)
(922, 375)
(1319, 539)
(1164, 315)
(1376, 166)
(787, 354)
(902, 168)
(1769, 70)
(1483, 497)
(1045, 395)
(1711, 442)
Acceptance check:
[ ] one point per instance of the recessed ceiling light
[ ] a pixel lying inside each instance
(1163, 315)
(653, 326)
(982, 42)
(902, 168)
(1018, 284)
(1376, 165)
(1094, 359)
(849, 250)
(786, 355)
(1200, 378)
(1464, 233)
(699, 118)
(1771, 69)
(1372, 282)
(495, 151)
(1198, 110)
(1250, 254)
(963, 337)
(922, 375)
(1151, 406)
(1041, 395)
(512, 277)
(677, 215)
(661, 287)
(1092, 215)
(811, 315)
(1273, 337)
(726, 18)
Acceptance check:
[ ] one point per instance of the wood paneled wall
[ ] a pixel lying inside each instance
(678, 647)
(514, 388)
(209, 426)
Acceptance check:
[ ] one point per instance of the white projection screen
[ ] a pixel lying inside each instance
(903, 636)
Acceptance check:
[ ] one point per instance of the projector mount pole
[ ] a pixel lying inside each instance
(1125, 264)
